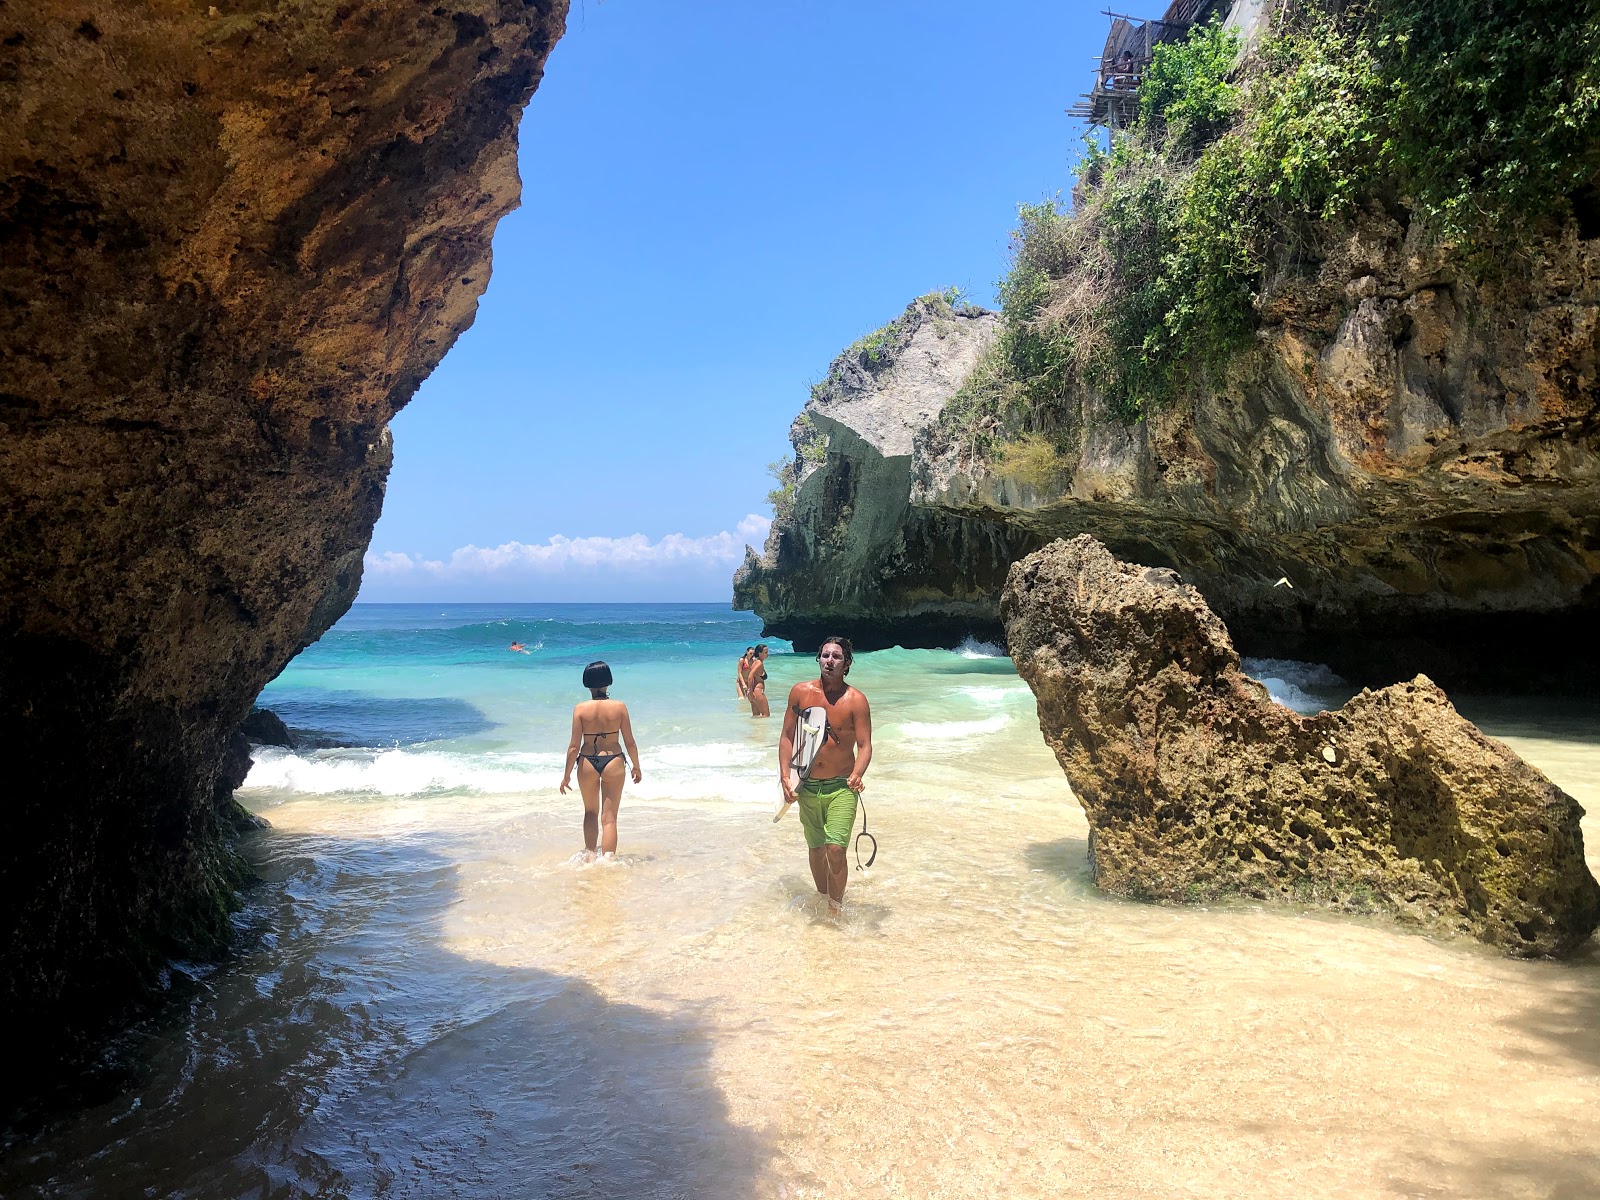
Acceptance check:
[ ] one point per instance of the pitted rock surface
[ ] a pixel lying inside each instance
(234, 238)
(1198, 785)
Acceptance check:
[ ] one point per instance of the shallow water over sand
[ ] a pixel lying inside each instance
(434, 999)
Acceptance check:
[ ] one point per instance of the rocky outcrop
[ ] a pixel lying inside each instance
(1416, 449)
(848, 550)
(233, 240)
(263, 727)
(1198, 785)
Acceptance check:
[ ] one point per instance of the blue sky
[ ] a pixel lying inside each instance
(718, 196)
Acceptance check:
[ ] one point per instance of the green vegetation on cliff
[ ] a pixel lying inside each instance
(1481, 121)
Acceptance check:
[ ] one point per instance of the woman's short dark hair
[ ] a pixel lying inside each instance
(762, 649)
(597, 676)
(844, 646)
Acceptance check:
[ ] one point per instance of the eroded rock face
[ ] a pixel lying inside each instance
(851, 552)
(1198, 785)
(231, 246)
(1415, 448)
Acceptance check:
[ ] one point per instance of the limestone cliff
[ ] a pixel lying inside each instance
(1197, 784)
(848, 549)
(1416, 451)
(233, 240)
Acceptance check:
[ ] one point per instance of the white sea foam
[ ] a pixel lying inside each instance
(713, 771)
(988, 696)
(944, 731)
(972, 648)
(400, 772)
(707, 754)
(1302, 686)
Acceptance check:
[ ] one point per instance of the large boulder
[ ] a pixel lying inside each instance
(1198, 785)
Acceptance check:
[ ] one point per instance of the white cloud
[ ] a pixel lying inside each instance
(633, 554)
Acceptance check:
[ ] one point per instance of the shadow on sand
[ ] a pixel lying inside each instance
(1066, 859)
(344, 1051)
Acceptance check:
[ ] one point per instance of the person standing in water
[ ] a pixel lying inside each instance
(738, 672)
(755, 682)
(828, 796)
(600, 728)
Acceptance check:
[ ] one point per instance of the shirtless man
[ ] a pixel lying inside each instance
(828, 798)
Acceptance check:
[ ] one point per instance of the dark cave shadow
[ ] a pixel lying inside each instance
(321, 719)
(296, 1071)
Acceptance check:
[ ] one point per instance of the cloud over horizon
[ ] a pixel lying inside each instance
(635, 558)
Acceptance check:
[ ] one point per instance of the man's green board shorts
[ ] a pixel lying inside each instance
(827, 812)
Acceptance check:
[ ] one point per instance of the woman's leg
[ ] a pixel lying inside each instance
(589, 785)
(758, 701)
(611, 799)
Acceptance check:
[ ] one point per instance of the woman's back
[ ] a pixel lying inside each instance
(601, 720)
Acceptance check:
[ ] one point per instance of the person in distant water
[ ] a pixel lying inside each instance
(518, 648)
(755, 682)
(600, 728)
(828, 796)
(738, 672)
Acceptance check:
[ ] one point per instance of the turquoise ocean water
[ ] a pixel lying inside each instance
(417, 699)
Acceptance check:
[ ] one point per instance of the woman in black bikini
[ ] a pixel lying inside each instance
(597, 726)
(755, 681)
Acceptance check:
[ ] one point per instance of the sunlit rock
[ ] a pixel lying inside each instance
(1197, 785)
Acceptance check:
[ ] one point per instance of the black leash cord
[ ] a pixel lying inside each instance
(864, 834)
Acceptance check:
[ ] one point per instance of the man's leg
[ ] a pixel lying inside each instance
(819, 868)
(838, 868)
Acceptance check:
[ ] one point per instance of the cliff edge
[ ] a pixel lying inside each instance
(848, 549)
(1312, 355)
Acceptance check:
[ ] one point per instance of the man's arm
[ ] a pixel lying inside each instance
(791, 723)
(863, 745)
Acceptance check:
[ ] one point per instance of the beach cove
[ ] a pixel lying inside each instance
(433, 997)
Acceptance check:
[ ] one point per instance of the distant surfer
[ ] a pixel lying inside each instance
(518, 648)
(755, 682)
(600, 728)
(824, 750)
